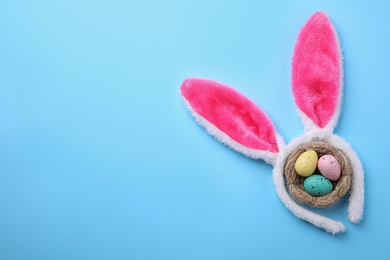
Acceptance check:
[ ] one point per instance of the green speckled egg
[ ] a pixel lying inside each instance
(317, 185)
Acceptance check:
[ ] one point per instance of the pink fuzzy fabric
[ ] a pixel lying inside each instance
(316, 69)
(231, 112)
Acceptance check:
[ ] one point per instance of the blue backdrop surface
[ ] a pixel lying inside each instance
(100, 160)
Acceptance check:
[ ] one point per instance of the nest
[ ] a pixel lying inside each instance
(295, 181)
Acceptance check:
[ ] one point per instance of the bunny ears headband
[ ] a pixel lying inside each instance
(317, 82)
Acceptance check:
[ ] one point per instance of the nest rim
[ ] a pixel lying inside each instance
(295, 181)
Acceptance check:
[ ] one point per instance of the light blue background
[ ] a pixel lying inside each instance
(100, 160)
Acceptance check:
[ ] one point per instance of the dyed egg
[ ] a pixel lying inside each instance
(317, 185)
(329, 167)
(306, 163)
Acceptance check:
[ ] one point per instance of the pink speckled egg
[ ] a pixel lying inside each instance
(329, 167)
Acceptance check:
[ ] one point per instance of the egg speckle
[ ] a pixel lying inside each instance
(329, 167)
(306, 163)
(317, 185)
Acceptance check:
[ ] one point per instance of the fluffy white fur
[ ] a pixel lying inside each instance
(356, 200)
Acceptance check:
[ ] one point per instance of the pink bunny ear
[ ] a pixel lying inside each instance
(231, 117)
(317, 71)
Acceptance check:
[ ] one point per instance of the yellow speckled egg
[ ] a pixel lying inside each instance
(306, 163)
